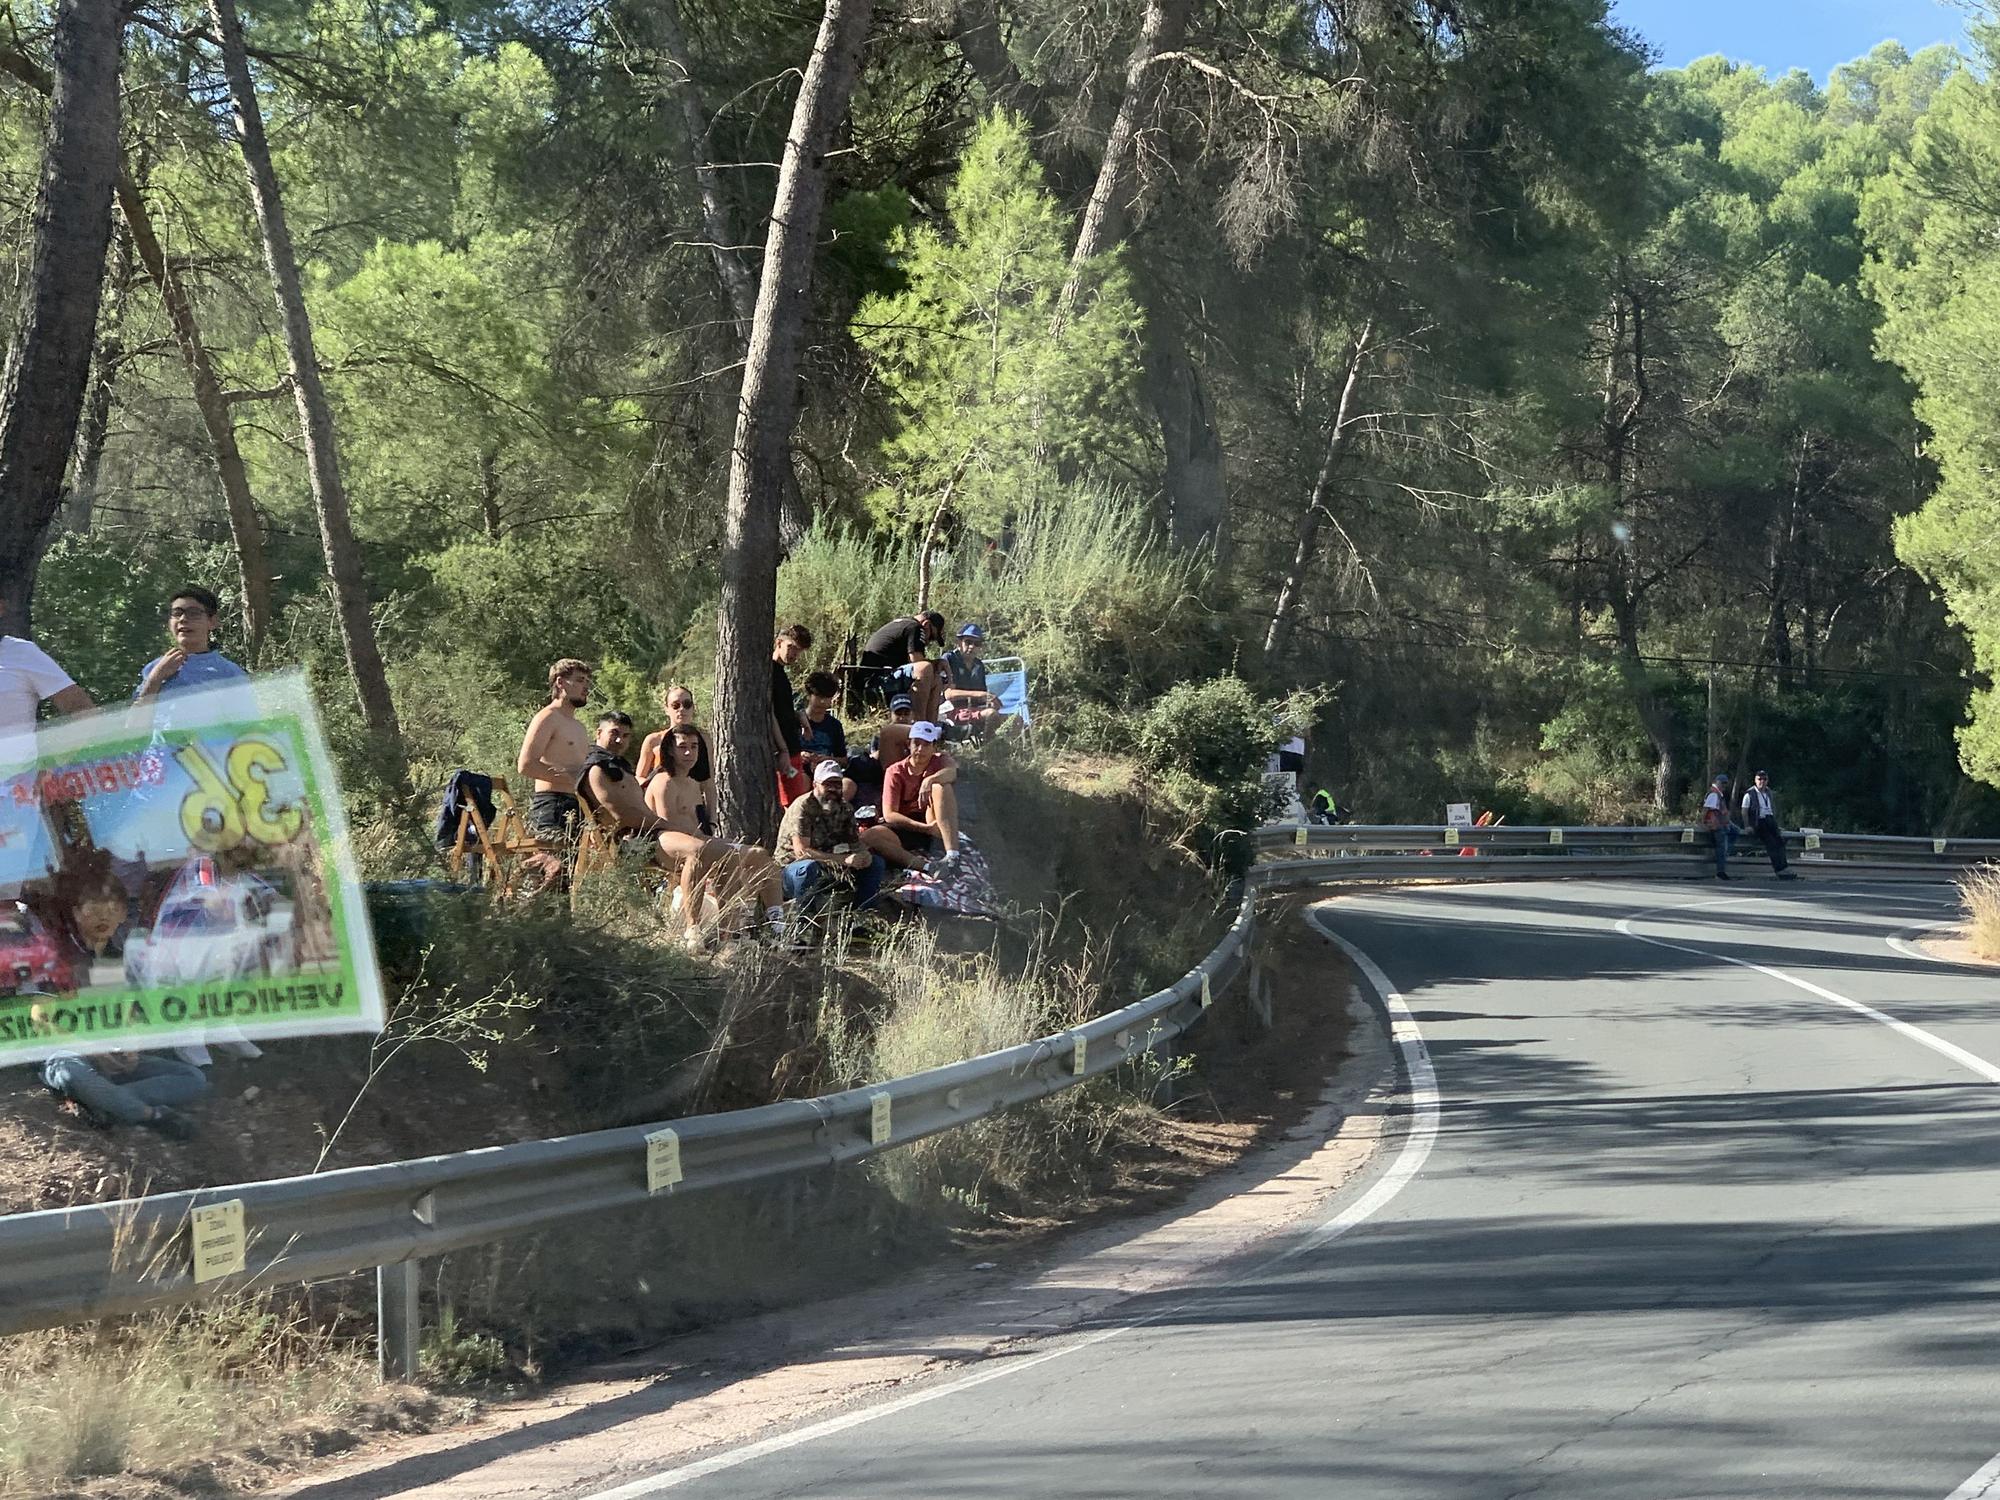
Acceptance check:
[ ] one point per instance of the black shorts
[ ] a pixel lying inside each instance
(555, 815)
(916, 843)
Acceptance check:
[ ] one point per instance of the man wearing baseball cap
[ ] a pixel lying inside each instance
(919, 799)
(821, 847)
(969, 708)
(1721, 827)
(900, 651)
(1760, 816)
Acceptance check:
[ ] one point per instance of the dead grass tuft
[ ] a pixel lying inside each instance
(164, 1390)
(1980, 893)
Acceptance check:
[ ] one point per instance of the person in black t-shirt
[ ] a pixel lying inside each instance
(901, 648)
(787, 734)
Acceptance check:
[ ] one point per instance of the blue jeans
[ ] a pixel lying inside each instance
(125, 1098)
(1725, 845)
(809, 882)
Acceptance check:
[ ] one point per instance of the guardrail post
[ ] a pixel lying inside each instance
(399, 1330)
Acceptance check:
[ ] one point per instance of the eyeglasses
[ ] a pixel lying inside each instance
(197, 613)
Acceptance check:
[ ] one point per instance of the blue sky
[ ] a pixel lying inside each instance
(1780, 35)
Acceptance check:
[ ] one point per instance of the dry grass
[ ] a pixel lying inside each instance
(1979, 891)
(165, 1390)
(939, 1008)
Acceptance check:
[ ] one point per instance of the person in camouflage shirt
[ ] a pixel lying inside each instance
(820, 845)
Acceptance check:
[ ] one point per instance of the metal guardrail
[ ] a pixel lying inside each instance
(1373, 838)
(66, 1265)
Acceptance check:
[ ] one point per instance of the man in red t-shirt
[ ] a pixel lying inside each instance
(919, 802)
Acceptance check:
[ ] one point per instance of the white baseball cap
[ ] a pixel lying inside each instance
(924, 729)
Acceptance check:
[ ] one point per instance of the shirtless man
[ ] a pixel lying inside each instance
(608, 780)
(731, 870)
(553, 752)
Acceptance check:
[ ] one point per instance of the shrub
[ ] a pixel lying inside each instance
(1980, 893)
(1207, 743)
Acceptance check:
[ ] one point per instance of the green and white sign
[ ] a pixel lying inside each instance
(179, 872)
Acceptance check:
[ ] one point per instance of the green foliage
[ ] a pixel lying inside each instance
(993, 381)
(1207, 743)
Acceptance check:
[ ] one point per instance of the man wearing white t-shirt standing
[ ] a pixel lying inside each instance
(1760, 815)
(29, 677)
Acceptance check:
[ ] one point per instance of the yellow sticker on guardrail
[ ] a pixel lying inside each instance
(1079, 1059)
(1451, 836)
(1812, 837)
(1937, 846)
(878, 1120)
(220, 1245)
(1555, 835)
(1206, 999)
(663, 1159)
(1301, 836)
(1687, 835)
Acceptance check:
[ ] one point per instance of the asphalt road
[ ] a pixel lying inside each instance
(1671, 1226)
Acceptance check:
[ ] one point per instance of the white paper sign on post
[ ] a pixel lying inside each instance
(1555, 835)
(1458, 814)
(1812, 842)
(1687, 835)
(220, 1245)
(663, 1160)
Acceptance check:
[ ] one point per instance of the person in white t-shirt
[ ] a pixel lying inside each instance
(29, 677)
(1760, 816)
(1721, 827)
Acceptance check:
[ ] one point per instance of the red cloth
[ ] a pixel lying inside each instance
(793, 783)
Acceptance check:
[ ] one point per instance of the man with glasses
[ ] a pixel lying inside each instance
(192, 617)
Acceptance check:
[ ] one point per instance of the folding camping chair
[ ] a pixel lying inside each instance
(1007, 680)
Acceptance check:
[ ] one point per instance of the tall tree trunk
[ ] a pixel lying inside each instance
(88, 460)
(48, 363)
(1278, 633)
(336, 528)
(1161, 30)
(246, 525)
(732, 269)
(716, 220)
(1197, 500)
(766, 413)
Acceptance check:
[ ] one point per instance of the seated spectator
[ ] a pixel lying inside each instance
(892, 740)
(969, 707)
(128, 1088)
(192, 616)
(919, 804)
(679, 701)
(730, 871)
(29, 677)
(553, 751)
(608, 781)
(901, 650)
(821, 846)
(787, 733)
(825, 736)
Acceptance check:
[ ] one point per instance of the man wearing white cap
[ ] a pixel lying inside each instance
(820, 844)
(919, 801)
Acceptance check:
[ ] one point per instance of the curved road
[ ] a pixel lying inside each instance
(1703, 1205)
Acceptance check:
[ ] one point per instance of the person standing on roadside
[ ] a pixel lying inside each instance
(29, 677)
(193, 614)
(1760, 816)
(1715, 817)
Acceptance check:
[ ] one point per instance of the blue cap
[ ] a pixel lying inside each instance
(968, 629)
(900, 702)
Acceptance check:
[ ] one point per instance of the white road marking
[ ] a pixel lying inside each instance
(1984, 1483)
(1980, 1485)
(1971, 1061)
(1424, 1103)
